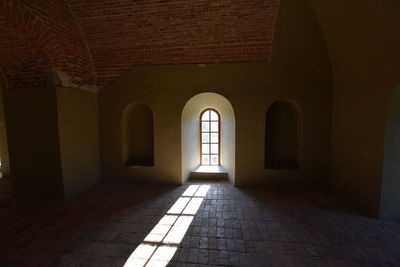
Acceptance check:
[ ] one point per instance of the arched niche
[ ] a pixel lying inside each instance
(390, 189)
(190, 132)
(137, 135)
(4, 158)
(283, 132)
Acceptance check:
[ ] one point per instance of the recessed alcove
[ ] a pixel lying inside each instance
(283, 130)
(138, 136)
(191, 151)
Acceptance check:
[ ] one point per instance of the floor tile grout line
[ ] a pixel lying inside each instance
(158, 244)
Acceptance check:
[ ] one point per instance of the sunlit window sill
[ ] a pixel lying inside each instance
(209, 172)
(210, 169)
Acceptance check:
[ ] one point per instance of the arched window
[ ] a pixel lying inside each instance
(210, 135)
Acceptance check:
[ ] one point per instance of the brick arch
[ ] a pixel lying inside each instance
(38, 36)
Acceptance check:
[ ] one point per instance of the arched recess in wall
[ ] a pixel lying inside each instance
(4, 158)
(283, 134)
(137, 135)
(190, 132)
(390, 189)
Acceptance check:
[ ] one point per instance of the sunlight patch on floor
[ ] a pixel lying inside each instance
(161, 244)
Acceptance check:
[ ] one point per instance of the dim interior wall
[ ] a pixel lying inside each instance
(5, 163)
(284, 135)
(78, 137)
(390, 200)
(190, 132)
(363, 40)
(299, 70)
(32, 130)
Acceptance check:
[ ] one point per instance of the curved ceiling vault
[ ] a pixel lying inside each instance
(41, 36)
(91, 43)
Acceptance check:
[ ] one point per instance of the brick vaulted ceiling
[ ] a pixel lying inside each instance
(37, 36)
(93, 42)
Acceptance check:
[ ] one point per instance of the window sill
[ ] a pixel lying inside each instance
(210, 169)
(209, 173)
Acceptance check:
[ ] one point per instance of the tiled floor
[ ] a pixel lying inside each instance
(233, 227)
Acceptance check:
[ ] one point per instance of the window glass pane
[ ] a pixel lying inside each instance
(214, 148)
(210, 141)
(214, 116)
(205, 126)
(214, 138)
(206, 116)
(205, 149)
(205, 138)
(214, 160)
(205, 159)
(214, 126)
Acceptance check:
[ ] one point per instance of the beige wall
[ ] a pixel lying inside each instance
(78, 137)
(53, 140)
(137, 136)
(363, 39)
(299, 70)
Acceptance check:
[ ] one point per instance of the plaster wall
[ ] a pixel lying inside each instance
(390, 192)
(363, 39)
(299, 70)
(53, 140)
(77, 112)
(137, 136)
(284, 135)
(34, 151)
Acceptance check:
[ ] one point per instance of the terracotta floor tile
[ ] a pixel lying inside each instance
(232, 227)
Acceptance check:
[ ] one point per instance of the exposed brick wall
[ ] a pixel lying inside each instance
(24, 65)
(125, 33)
(39, 35)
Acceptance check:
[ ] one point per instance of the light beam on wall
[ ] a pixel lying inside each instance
(160, 245)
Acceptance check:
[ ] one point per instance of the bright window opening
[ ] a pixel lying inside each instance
(210, 135)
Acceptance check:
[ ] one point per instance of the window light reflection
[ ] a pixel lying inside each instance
(161, 244)
(179, 205)
(193, 206)
(202, 192)
(190, 191)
